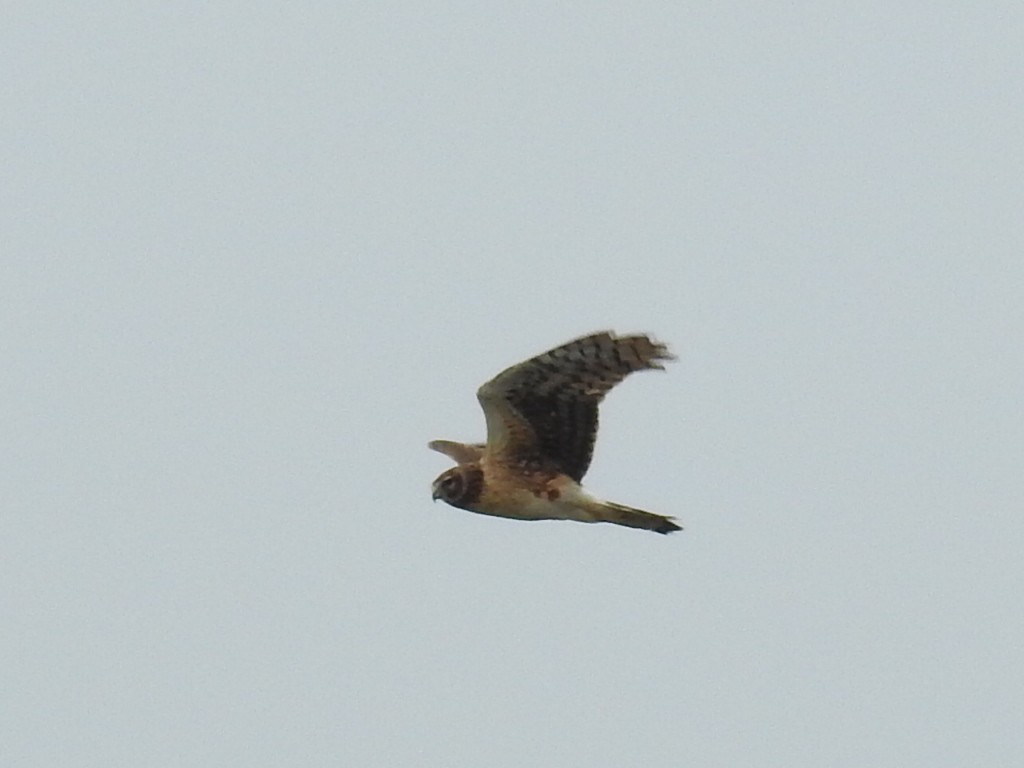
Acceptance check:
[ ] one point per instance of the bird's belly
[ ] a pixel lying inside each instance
(525, 505)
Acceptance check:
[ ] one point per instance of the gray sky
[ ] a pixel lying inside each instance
(255, 256)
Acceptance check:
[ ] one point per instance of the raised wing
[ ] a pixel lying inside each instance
(545, 409)
(462, 453)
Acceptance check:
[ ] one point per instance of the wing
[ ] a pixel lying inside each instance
(462, 453)
(545, 409)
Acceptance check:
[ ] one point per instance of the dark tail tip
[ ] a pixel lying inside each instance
(667, 526)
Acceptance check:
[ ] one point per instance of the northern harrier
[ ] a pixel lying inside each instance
(541, 426)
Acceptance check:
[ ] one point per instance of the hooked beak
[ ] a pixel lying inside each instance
(435, 494)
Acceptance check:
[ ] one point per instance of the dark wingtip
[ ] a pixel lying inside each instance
(655, 354)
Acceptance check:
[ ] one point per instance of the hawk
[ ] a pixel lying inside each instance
(541, 425)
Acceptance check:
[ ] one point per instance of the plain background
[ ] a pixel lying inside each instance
(256, 255)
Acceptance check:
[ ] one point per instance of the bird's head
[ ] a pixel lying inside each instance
(459, 486)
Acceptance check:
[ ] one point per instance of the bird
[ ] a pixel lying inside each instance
(541, 417)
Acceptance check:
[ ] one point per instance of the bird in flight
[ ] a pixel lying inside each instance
(541, 426)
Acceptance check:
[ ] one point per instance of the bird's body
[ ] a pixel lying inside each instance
(541, 425)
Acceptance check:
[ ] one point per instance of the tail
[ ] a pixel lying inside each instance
(610, 512)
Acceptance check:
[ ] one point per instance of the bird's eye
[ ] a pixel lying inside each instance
(450, 482)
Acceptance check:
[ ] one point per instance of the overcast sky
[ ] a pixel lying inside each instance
(256, 255)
